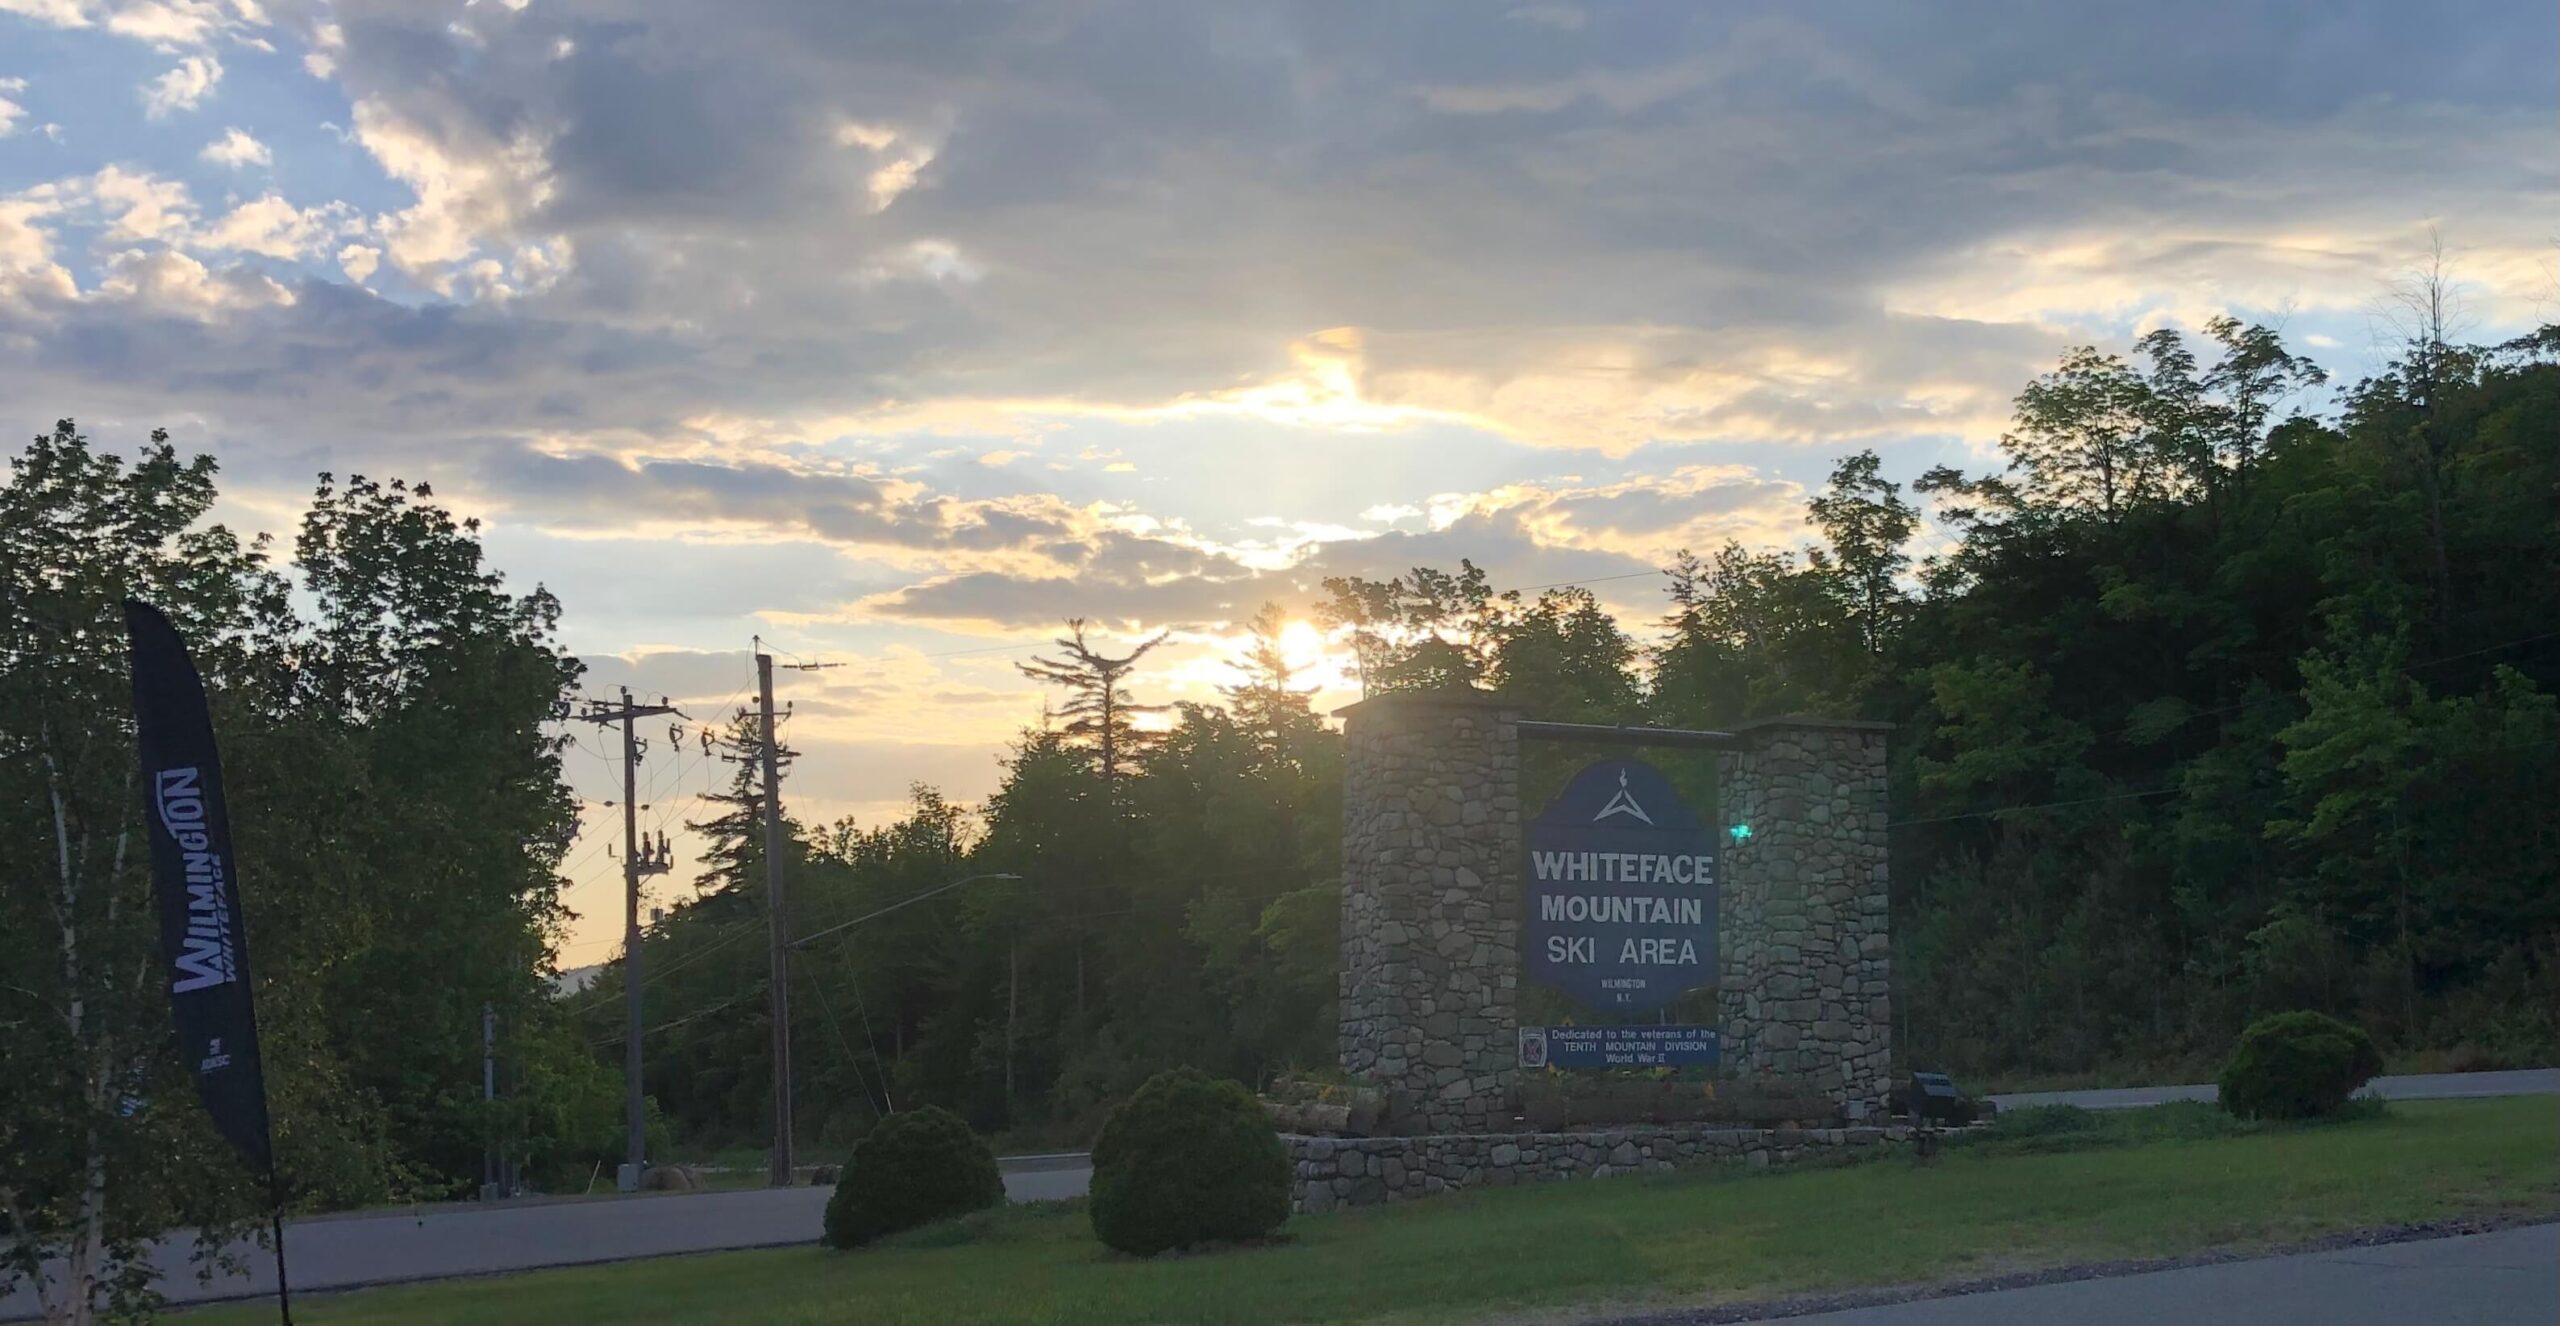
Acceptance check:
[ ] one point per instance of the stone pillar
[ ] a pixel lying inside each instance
(1431, 906)
(1806, 981)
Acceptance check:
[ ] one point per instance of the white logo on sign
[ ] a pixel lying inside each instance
(1624, 803)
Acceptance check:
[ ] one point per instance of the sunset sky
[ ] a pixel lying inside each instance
(898, 332)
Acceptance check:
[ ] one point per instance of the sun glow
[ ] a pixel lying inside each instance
(1302, 644)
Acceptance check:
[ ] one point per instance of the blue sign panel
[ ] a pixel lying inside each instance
(1622, 882)
(1619, 1047)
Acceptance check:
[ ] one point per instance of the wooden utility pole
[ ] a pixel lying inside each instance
(775, 931)
(635, 863)
(777, 923)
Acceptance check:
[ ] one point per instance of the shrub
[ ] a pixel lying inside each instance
(2297, 1066)
(1189, 1159)
(915, 1168)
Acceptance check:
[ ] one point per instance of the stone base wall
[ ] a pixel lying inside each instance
(1332, 1172)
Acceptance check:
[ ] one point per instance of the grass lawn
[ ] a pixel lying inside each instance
(2066, 1190)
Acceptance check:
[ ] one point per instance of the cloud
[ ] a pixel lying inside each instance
(164, 25)
(1140, 583)
(29, 276)
(1580, 229)
(10, 111)
(183, 87)
(166, 281)
(470, 185)
(128, 206)
(1648, 517)
(237, 150)
(274, 228)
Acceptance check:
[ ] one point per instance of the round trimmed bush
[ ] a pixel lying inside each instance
(1189, 1159)
(915, 1168)
(2297, 1066)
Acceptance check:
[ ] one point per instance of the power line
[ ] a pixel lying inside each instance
(696, 1015)
(851, 1060)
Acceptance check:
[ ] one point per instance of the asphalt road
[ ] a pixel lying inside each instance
(378, 1247)
(2510, 1278)
(2427, 1086)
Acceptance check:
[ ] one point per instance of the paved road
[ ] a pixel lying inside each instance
(2510, 1278)
(336, 1252)
(2427, 1086)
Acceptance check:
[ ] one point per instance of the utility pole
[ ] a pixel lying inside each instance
(777, 942)
(635, 863)
(489, 1164)
(777, 924)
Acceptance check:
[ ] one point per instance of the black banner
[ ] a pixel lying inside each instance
(202, 939)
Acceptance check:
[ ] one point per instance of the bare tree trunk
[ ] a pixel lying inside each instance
(82, 1259)
(2430, 307)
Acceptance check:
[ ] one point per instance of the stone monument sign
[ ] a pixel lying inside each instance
(1788, 921)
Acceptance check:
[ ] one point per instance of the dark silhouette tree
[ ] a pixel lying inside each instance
(1100, 712)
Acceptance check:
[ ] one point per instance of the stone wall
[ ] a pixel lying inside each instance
(1807, 967)
(1431, 907)
(1335, 1172)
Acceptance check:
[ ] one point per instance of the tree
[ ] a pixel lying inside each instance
(1425, 630)
(1866, 523)
(438, 682)
(100, 1140)
(398, 816)
(2081, 441)
(1099, 710)
(1751, 634)
(1563, 657)
(1267, 698)
(733, 851)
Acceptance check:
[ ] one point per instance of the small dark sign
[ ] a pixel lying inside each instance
(1619, 1047)
(1622, 884)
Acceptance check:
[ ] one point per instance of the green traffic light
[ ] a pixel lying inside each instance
(1741, 832)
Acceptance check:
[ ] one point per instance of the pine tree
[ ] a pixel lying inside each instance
(1269, 701)
(1100, 712)
(734, 851)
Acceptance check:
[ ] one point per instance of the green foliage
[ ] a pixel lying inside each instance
(2298, 1065)
(915, 1168)
(399, 818)
(1190, 1159)
(2217, 710)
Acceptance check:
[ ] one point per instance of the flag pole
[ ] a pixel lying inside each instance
(275, 1217)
